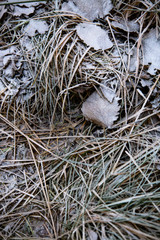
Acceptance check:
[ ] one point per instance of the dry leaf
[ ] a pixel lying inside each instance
(92, 234)
(156, 102)
(128, 26)
(90, 9)
(36, 25)
(99, 110)
(9, 60)
(152, 51)
(26, 43)
(2, 54)
(108, 93)
(18, 11)
(11, 65)
(94, 36)
(124, 57)
(24, 8)
(146, 83)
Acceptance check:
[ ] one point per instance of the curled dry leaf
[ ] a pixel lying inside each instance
(99, 110)
(94, 36)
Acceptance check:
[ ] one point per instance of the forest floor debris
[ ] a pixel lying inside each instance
(61, 176)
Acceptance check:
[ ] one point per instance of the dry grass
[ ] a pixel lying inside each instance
(62, 177)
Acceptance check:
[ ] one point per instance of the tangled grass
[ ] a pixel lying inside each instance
(65, 178)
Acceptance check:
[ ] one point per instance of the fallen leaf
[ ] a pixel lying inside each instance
(99, 110)
(124, 57)
(26, 43)
(92, 234)
(18, 11)
(108, 93)
(94, 36)
(90, 9)
(146, 83)
(128, 26)
(156, 102)
(3, 53)
(9, 60)
(151, 46)
(35, 25)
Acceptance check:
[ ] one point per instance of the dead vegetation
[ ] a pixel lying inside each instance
(62, 177)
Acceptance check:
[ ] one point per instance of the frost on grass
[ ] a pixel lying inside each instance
(94, 36)
(36, 25)
(151, 45)
(98, 108)
(90, 9)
